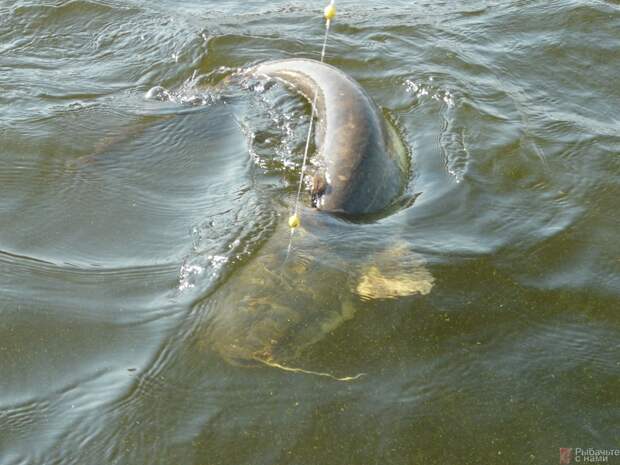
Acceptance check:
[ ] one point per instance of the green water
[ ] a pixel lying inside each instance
(137, 189)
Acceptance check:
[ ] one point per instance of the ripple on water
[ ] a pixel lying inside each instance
(120, 212)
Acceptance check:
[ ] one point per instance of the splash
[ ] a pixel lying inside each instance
(193, 269)
(274, 125)
(429, 89)
(198, 90)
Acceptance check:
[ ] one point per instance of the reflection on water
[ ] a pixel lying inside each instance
(143, 239)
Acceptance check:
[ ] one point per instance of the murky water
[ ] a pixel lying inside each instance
(143, 196)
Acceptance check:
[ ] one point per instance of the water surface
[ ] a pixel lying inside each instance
(136, 186)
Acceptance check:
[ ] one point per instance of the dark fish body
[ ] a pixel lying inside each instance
(363, 164)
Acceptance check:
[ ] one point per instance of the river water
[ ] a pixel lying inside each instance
(137, 183)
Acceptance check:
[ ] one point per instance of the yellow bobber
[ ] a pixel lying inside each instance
(294, 221)
(330, 12)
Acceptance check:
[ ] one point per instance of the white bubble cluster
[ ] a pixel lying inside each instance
(422, 89)
(190, 272)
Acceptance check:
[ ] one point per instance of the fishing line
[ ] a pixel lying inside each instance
(294, 221)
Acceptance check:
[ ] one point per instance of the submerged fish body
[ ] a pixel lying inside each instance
(278, 304)
(282, 302)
